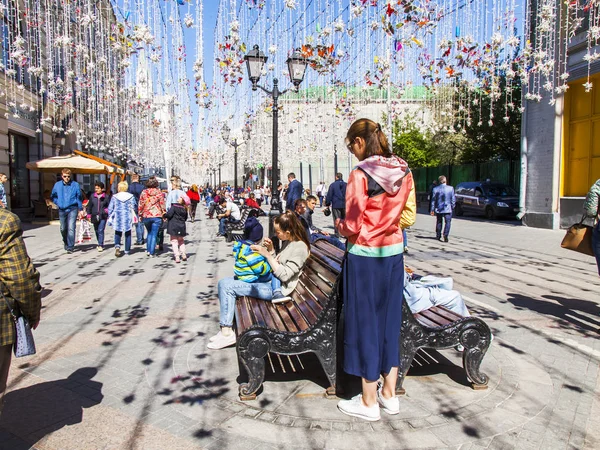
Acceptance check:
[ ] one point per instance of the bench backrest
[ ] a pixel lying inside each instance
(313, 295)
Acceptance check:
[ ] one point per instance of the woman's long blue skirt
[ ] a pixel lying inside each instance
(372, 294)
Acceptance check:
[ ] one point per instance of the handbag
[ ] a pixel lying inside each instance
(24, 343)
(579, 238)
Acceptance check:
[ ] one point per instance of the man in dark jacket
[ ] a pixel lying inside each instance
(443, 202)
(20, 284)
(66, 194)
(136, 189)
(294, 191)
(336, 198)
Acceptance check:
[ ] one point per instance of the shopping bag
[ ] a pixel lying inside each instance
(579, 238)
(85, 232)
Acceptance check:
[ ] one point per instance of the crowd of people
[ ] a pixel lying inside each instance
(370, 214)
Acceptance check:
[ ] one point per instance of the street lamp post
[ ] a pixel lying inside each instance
(255, 60)
(225, 132)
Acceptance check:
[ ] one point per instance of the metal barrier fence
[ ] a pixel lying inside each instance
(507, 172)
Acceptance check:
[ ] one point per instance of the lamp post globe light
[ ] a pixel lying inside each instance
(255, 61)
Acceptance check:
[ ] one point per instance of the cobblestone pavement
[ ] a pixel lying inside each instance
(122, 361)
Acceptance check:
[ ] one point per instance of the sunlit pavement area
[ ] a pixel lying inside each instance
(122, 361)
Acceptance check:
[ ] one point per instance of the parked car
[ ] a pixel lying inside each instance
(489, 199)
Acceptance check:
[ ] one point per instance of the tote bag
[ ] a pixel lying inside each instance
(579, 238)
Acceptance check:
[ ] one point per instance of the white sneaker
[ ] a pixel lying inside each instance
(216, 336)
(222, 342)
(355, 407)
(389, 405)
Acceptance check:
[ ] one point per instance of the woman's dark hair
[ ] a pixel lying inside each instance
(374, 137)
(99, 184)
(152, 183)
(289, 222)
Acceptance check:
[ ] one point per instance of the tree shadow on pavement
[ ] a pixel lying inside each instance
(39, 410)
(568, 311)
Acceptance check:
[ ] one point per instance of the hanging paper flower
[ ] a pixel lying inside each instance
(188, 20)
(272, 49)
(141, 33)
(292, 4)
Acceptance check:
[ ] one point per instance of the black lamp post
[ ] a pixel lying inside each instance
(225, 133)
(255, 60)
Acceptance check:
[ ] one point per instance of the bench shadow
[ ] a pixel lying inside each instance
(39, 410)
(432, 362)
(308, 370)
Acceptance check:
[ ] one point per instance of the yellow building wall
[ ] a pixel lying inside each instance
(581, 155)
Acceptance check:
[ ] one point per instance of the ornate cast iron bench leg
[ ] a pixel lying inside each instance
(475, 337)
(252, 349)
(326, 353)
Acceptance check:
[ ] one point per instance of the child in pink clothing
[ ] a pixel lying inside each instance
(177, 216)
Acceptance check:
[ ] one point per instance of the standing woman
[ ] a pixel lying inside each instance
(592, 209)
(151, 210)
(97, 212)
(121, 210)
(194, 197)
(379, 189)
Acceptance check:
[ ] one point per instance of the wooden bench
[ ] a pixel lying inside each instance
(235, 231)
(309, 324)
(436, 328)
(305, 324)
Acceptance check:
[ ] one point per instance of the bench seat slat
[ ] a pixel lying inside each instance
(316, 285)
(295, 314)
(243, 316)
(285, 317)
(446, 313)
(425, 321)
(256, 312)
(304, 308)
(309, 297)
(431, 315)
(264, 307)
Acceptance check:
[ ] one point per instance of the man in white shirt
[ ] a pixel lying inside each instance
(321, 192)
(232, 214)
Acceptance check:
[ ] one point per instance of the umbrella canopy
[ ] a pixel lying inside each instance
(77, 164)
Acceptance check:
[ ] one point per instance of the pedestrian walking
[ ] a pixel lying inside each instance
(321, 192)
(151, 209)
(175, 193)
(97, 212)
(136, 189)
(592, 209)
(336, 198)
(20, 286)
(286, 267)
(267, 194)
(443, 202)
(194, 197)
(177, 216)
(294, 191)
(3, 200)
(379, 189)
(122, 216)
(66, 194)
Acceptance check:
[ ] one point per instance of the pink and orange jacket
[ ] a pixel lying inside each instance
(380, 202)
